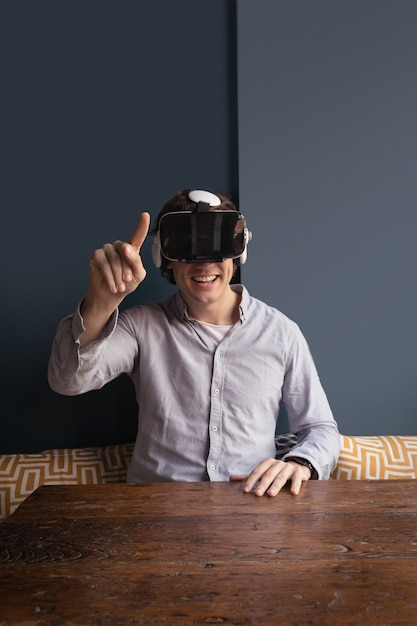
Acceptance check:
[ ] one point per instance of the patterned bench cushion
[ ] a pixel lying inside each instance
(368, 458)
(373, 458)
(361, 458)
(20, 474)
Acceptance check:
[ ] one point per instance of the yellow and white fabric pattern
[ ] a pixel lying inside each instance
(20, 474)
(377, 458)
(361, 458)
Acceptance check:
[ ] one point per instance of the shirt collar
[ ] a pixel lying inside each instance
(244, 300)
(243, 307)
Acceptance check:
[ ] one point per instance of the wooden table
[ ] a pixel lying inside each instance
(342, 552)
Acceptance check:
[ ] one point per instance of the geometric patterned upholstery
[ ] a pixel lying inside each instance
(361, 458)
(382, 457)
(20, 474)
(283, 444)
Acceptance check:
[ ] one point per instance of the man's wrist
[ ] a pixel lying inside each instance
(301, 461)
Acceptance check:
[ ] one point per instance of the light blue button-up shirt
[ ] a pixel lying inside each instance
(206, 410)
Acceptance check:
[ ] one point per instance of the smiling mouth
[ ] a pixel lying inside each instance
(204, 279)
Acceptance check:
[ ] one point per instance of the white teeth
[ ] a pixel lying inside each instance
(204, 279)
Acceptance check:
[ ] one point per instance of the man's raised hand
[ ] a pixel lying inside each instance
(116, 269)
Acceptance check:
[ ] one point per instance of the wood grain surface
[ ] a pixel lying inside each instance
(342, 552)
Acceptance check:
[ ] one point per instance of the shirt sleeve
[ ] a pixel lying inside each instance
(309, 414)
(73, 370)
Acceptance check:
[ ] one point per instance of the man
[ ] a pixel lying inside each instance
(210, 364)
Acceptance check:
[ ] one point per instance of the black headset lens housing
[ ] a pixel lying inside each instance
(202, 236)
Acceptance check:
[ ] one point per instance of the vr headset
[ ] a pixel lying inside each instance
(204, 235)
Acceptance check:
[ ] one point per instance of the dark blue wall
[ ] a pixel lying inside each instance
(327, 96)
(107, 109)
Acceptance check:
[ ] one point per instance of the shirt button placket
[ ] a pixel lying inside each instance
(215, 416)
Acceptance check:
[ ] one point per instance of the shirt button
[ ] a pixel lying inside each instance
(215, 428)
(216, 392)
(212, 466)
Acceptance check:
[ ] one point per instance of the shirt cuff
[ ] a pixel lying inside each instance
(78, 325)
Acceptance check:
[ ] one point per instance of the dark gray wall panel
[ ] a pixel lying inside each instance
(107, 109)
(327, 97)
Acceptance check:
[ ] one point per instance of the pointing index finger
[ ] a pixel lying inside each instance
(140, 232)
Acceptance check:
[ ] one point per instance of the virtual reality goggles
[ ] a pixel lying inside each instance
(204, 235)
